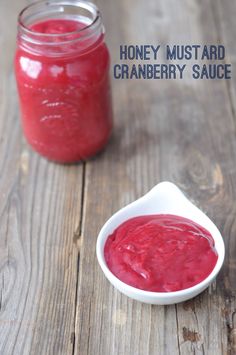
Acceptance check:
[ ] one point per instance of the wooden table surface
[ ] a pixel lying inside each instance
(54, 298)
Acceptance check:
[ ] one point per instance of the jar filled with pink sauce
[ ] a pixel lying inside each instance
(62, 73)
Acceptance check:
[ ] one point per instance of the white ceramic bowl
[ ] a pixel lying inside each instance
(164, 198)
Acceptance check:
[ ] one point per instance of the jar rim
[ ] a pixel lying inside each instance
(87, 5)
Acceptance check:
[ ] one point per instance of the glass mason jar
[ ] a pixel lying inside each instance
(62, 74)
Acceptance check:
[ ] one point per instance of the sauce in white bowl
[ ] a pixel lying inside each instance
(164, 199)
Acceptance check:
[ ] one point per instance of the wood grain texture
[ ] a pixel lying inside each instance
(39, 214)
(225, 12)
(181, 131)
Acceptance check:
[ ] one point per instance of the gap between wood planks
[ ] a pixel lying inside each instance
(77, 240)
(177, 325)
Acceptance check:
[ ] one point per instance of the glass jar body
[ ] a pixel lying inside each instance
(65, 99)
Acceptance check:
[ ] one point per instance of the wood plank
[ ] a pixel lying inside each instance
(224, 14)
(182, 131)
(39, 214)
